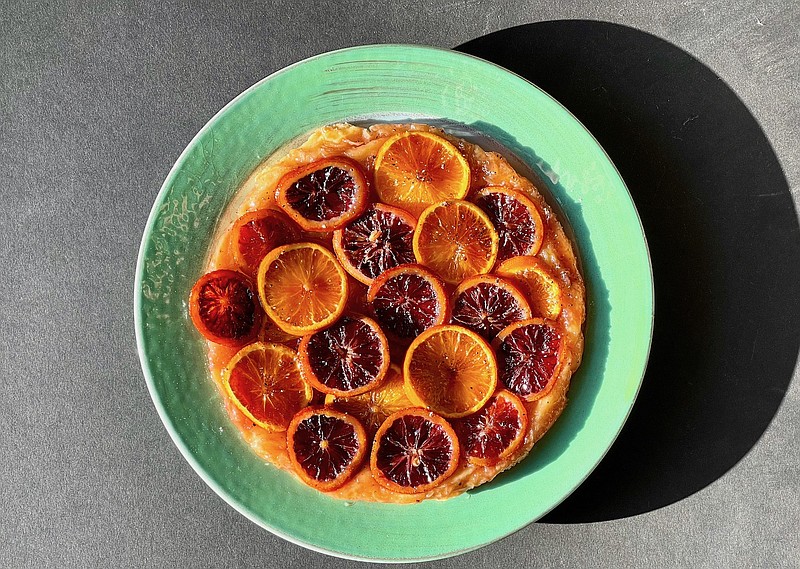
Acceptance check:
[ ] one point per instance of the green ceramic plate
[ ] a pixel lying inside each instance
(472, 98)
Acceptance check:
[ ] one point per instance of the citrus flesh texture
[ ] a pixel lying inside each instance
(407, 300)
(302, 287)
(264, 382)
(456, 240)
(326, 447)
(517, 220)
(450, 370)
(380, 239)
(529, 355)
(494, 432)
(416, 169)
(223, 308)
(414, 451)
(486, 304)
(348, 358)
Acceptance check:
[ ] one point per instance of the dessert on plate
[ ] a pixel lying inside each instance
(392, 313)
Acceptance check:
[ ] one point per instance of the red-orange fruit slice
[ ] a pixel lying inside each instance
(416, 169)
(324, 195)
(543, 290)
(516, 218)
(373, 407)
(414, 451)
(224, 308)
(375, 242)
(257, 233)
(529, 357)
(302, 287)
(326, 447)
(450, 370)
(348, 358)
(487, 304)
(456, 240)
(495, 432)
(264, 381)
(407, 300)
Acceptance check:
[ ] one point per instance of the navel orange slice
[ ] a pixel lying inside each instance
(347, 358)
(487, 304)
(324, 195)
(414, 451)
(302, 287)
(326, 447)
(543, 290)
(373, 407)
(450, 370)
(407, 300)
(264, 382)
(256, 233)
(529, 357)
(377, 241)
(516, 218)
(415, 169)
(456, 240)
(495, 432)
(224, 309)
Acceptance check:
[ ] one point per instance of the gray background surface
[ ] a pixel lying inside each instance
(96, 104)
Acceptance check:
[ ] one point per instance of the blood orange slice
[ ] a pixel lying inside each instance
(455, 239)
(326, 447)
(257, 233)
(224, 309)
(407, 300)
(517, 220)
(377, 241)
(302, 287)
(414, 451)
(544, 292)
(373, 407)
(487, 304)
(495, 432)
(416, 169)
(263, 380)
(348, 358)
(324, 195)
(450, 370)
(529, 357)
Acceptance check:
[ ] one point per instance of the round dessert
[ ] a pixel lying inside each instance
(392, 313)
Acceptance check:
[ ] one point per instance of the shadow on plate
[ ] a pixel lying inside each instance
(725, 245)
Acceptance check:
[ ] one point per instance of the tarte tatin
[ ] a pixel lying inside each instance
(392, 313)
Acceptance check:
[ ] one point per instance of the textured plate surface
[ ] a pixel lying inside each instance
(475, 99)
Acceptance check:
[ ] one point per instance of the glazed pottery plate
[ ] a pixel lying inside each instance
(471, 98)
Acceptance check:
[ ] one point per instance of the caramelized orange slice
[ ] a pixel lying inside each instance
(223, 308)
(407, 300)
(455, 239)
(414, 451)
(487, 304)
(375, 242)
(450, 370)
(324, 195)
(517, 220)
(263, 381)
(529, 357)
(495, 432)
(416, 169)
(348, 358)
(544, 292)
(302, 287)
(326, 447)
